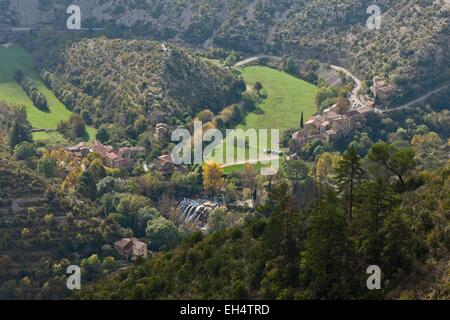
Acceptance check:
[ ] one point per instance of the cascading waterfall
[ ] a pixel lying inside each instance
(195, 211)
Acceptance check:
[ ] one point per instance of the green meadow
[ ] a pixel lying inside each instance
(287, 97)
(11, 92)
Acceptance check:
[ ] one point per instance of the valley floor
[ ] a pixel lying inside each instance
(12, 57)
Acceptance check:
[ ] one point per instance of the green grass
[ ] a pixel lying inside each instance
(52, 138)
(287, 98)
(11, 92)
(256, 166)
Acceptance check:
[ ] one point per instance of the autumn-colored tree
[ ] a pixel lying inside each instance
(71, 180)
(205, 115)
(327, 163)
(213, 181)
(342, 105)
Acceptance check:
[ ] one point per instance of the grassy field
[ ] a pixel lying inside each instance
(287, 98)
(10, 91)
(256, 166)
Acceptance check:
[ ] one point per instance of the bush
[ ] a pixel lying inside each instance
(258, 229)
(47, 167)
(31, 89)
(236, 234)
(162, 234)
(24, 151)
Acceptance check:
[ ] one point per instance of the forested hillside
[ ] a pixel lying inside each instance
(411, 49)
(42, 230)
(124, 81)
(319, 253)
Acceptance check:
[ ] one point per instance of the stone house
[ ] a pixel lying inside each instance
(382, 90)
(330, 125)
(113, 159)
(164, 165)
(80, 150)
(162, 131)
(131, 153)
(131, 247)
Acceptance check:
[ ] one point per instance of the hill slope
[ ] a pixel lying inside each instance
(128, 79)
(253, 262)
(411, 48)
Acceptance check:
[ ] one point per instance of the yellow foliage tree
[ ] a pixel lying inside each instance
(71, 180)
(213, 181)
(326, 164)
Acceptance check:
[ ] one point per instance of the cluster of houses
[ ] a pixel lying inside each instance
(122, 158)
(80, 150)
(126, 157)
(333, 123)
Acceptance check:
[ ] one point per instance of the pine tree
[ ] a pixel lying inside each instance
(87, 186)
(325, 262)
(20, 132)
(399, 161)
(302, 124)
(349, 174)
(200, 175)
(374, 201)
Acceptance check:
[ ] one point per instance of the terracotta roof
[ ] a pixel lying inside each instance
(112, 156)
(331, 115)
(315, 121)
(331, 132)
(332, 108)
(297, 135)
(122, 243)
(167, 158)
(326, 123)
(364, 109)
(138, 244)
